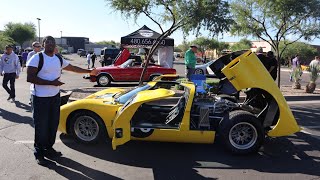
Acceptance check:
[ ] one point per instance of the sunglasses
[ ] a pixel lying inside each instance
(37, 46)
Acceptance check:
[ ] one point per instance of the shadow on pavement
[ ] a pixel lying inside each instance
(178, 161)
(74, 170)
(23, 106)
(16, 118)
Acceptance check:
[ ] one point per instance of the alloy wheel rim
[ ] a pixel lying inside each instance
(243, 135)
(86, 128)
(104, 80)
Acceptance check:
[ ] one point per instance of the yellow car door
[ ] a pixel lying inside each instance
(121, 124)
(246, 71)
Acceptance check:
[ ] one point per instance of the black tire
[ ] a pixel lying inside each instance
(103, 80)
(198, 71)
(80, 125)
(241, 121)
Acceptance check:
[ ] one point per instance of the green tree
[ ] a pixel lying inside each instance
(277, 20)
(112, 42)
(305, 51)
(19, 32)
(4, 40)
(243, 44)
(222, 46)
(205, 44)
(212, 15)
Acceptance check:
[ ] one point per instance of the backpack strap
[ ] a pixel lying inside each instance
(60, 58)
(40, 65)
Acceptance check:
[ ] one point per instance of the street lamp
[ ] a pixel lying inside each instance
(39, 28)
(61, 39)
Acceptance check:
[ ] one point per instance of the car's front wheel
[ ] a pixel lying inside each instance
(242, 132)
(198, 71)
(87, 127)
(103, 80)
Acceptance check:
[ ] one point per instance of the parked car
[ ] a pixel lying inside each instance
(203, 68)
(129, 71)
(79, 51)
(108, 55)
(83, 53)
(157, 111)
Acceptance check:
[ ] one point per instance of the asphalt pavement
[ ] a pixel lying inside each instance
(293, 157)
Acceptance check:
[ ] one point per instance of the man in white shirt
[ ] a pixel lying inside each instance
(88, 59)
(315, 62)
(45, 96)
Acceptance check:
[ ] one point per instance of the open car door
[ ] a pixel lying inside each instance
(121, 125)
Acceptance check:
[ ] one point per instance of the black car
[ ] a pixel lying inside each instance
(108, 55)
(83, 53)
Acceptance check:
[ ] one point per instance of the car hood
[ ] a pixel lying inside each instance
(106, 94)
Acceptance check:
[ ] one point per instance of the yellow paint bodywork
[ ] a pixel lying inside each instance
(103, 107)
(183, 134)
(159, 78)
(246, 71)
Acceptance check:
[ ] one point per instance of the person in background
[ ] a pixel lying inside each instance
(294, 65)
(36, 48)
(24, 56)
(273, 64)
(190, 60)
(93, 59)
(263, 58)
(315, 62)
(45, 94)
(10, 70)
(88, 59)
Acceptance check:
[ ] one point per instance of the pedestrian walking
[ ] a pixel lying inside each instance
(44, 71)
(10, 70)
(36, 48)
(93, 59)
(88, 59)
(190, 60)
(273, 65)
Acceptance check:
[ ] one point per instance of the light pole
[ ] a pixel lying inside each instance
(61, 39)
(39, 28)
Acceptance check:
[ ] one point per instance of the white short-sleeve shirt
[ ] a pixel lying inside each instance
(50, 71)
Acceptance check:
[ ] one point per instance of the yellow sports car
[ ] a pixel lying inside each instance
(157, 111)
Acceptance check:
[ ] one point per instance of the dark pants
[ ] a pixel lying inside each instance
(93, 61)
(46, 114)
(12, 78)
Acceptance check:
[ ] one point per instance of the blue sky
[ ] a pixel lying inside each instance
(92, 19)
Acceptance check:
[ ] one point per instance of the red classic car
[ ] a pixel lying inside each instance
(129, 71)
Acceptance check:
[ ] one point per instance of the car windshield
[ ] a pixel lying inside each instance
(125, 96)
(126, 64)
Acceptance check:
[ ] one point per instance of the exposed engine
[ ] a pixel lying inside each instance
(208, 111)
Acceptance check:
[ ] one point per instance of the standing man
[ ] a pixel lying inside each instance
(190, 60)
(36, 48)
(315, 63)
(89, 59)
(45, 95)
(273, 65)
(10, 70)
(93, 59)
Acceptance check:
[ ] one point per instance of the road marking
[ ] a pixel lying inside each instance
(32, 142)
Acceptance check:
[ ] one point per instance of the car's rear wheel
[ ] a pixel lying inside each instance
(242, 133)
(153, 77)
(198, 71)
(87, 127)
(103, 80)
